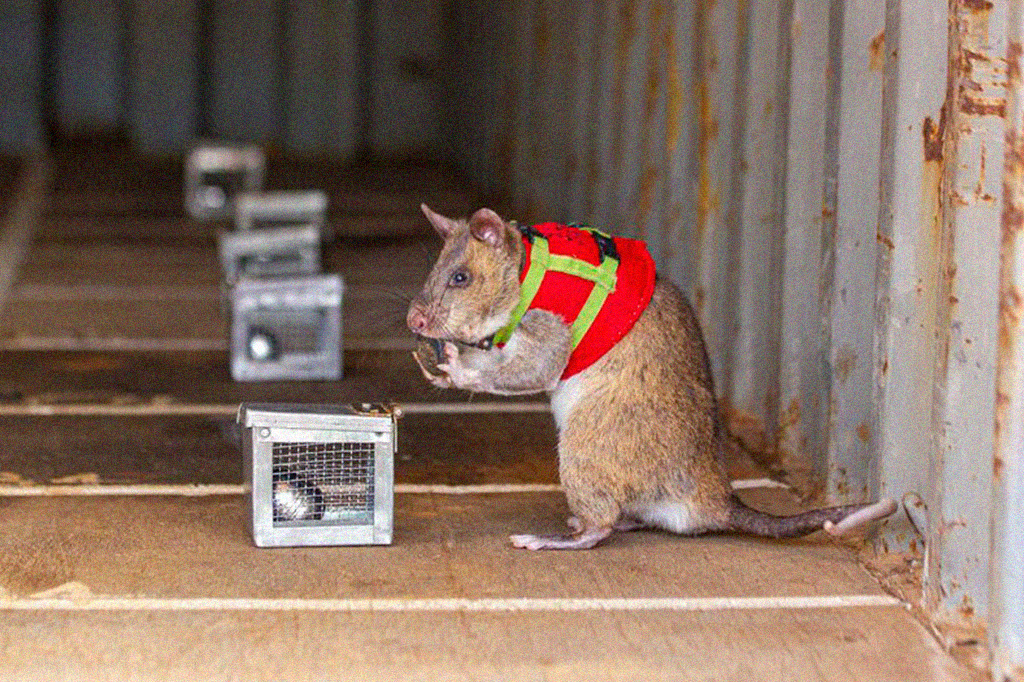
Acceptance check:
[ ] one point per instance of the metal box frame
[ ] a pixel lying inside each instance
(215, 176)
(286, 328)
(270, 253)
(344, 453)
(263, 210)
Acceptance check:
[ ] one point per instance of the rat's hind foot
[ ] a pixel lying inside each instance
(583, 540)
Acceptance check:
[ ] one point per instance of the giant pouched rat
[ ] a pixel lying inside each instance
(640, 443)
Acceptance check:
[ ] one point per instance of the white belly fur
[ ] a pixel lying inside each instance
(564, 398)
(671, 515)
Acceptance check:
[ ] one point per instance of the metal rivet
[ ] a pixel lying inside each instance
(264, 432)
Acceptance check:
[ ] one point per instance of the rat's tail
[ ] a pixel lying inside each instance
(835, 520)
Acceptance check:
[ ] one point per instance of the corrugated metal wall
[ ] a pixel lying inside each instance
(311, 77)
(836, 185)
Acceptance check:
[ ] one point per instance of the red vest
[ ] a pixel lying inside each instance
(569, 266)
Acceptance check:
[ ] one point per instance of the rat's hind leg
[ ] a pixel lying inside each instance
(594, 520)
(625, 524)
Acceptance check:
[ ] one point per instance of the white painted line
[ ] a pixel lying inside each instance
(483, 407)
(184, 345)
(114, 410)
(206, 489)
(230, 410)
(21, 221)
(507, 605)
(117, 490)
(111, 344)
(478, 489)
(114, 292)
(148, 292)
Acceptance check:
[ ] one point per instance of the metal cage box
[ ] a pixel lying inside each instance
(319, 474)
(286, 328)
(261, 210)
(268, 253)
(215, 175)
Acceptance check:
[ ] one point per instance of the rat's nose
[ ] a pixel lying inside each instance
(416, 319)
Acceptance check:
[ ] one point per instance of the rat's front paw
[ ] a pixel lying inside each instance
(461, 375)
(438, 380)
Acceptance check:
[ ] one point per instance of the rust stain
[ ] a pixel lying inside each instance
(707, 200)
(673, 94)
(1011, 308)
(966, 605)
(698, 301)
(844, 363)
(646, 197)
(1013, 54)
(876, 53)
(1011, 301)
(885, 240)
(542, 38)
(749, 431)
(978, 74)
(933, 136)
(791, 415)
(977, 5)
(976, 106)
(625, 37)
(997, 467)
(864, 433)
(933, 142)
(842, 487)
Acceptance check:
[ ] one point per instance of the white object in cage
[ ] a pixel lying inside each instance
(215, 175)
(272, 252)
(319, 475)
(286, 328)
(262, 210)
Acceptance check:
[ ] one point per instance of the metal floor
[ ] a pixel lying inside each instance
(115, 402)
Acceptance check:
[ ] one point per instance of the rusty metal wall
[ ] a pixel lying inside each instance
(1006, 612)
(824, 181)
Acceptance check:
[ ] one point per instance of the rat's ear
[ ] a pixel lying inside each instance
(445, 226)
(487, 226)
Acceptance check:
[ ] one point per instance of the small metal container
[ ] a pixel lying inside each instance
(286, 328)
(215, 175)
(262, 210)
(319, 474)
(271, 252)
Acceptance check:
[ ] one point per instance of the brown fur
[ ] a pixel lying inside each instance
(646, 425)
(640, 442)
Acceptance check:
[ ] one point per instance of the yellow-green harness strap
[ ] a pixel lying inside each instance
(542, 260)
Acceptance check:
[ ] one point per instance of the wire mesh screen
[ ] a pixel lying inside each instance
(323, 483)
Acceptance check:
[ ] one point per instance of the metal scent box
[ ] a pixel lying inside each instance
(216, 174)
(261, 210)
(267, 253)
(319, 475)
(286, 328)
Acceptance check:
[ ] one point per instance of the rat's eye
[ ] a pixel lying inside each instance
(459, 279)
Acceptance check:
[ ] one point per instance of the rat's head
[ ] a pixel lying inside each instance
(474, 286)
